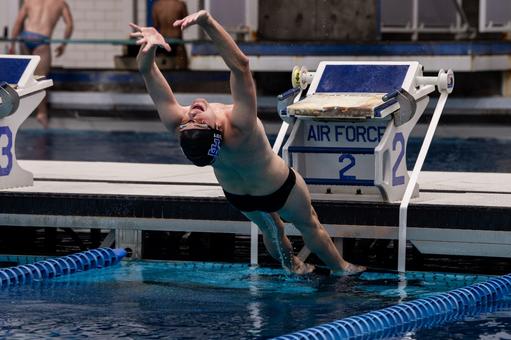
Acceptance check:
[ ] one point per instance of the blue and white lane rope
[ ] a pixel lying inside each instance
(412, 315)
(37, 271)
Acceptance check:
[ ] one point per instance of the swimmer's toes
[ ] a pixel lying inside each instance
(350, 269)
(307, 268)
(304, 268)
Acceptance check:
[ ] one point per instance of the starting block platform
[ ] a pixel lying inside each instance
(349, 133)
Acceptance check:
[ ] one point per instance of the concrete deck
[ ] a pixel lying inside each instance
(456, 213)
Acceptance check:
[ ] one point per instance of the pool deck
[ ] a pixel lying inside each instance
(457, 213)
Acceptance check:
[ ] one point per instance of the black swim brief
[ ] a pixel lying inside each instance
(33, 40)
(267, 203)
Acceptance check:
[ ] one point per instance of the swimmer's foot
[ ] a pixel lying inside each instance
(302, 268)
(42, 118)
(349, 269)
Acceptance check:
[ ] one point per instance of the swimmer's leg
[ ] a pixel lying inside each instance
(299, 211)
(277, 243)
(43, 69)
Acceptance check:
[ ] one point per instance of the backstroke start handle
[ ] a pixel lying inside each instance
(10, 100)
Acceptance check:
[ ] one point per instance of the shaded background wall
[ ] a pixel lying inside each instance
(318, 20)
(272, 20)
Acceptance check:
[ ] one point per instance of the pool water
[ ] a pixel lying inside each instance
(446, 154)
(150, 299)
(212, 301)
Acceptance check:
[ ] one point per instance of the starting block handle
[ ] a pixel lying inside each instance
(444, 81)
(285, 99)
(10, 100)
(407, 105)
(301, 77)
(291, 92)
(390, 95)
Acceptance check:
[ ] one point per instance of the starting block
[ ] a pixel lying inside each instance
(20, 94)
(349, 133)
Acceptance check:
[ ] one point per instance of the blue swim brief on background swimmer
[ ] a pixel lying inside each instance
(33, 40)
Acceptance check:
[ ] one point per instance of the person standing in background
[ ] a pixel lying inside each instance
(35, 24)
(164, 14)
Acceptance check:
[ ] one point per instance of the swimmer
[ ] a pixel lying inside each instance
(38, 18)
(232, 140)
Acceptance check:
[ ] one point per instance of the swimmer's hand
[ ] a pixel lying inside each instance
(198, 18)
(149, 39)
(60, 50)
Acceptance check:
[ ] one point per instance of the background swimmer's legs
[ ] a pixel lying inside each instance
(276, 242)
(43, 69)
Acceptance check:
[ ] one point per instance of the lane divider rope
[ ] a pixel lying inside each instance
(65, 265)
(412, 315)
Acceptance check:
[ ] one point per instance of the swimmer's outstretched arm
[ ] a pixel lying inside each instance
(242, 85)
(170, 111)
(18, 25)
(68, 20)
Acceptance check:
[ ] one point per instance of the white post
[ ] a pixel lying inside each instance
(254, 244)
(403, 208)
(415, 20)
(482, 16)
(280, 137)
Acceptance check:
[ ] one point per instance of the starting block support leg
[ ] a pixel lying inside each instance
(129, 238)
(304, 253)
(109, 240)
(254, 244)
(403, 208)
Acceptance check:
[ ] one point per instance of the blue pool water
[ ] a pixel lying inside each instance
(446, 154)
(213, 301)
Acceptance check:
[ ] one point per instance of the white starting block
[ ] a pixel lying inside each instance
(20, 94)
(350, 132)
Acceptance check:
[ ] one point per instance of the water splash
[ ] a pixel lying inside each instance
(286, 259)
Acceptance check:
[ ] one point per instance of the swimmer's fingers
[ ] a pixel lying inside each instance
(178, 23)
(135, 27)
(198, 18)
(147, 47)
(187, 21)
(136, 35)
(142, 41)
(166, 46)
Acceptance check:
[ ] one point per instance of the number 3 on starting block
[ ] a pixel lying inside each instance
(6, 147)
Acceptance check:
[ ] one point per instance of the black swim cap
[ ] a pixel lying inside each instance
(201, 146)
